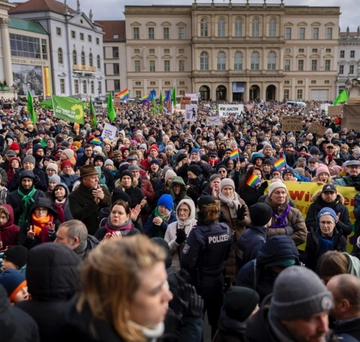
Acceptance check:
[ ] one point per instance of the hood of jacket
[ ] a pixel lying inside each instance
(229, 326)
(276, 248)
(43, 202)
(190, 203)
(317, 195)
(10, 221)
(52, 272)
(354, 265)
(64, 186)
(178, 180)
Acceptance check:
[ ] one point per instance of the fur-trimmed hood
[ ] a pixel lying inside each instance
(317, 195)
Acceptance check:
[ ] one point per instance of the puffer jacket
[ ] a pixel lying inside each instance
(294, 219)
(237, 227)
(343, 225)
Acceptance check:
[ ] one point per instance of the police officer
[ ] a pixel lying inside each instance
(206, 249)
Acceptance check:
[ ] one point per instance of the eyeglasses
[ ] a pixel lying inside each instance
(222, 171)
(41, 209)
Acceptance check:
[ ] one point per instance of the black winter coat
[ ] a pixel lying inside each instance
(230, 330)
(40, 180)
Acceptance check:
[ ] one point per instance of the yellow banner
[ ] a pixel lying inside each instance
(47, 80)
(301, 193)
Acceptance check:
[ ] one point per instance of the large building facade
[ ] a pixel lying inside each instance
(234, 52)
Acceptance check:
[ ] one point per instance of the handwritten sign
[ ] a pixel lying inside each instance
(350, 118)
(316, 128)
(226, 110)
(213, 121)
(184, 101)
(109, 131)
(334, 110)
(292, 123)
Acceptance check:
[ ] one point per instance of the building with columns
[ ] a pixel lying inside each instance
(75, 46)
(232, 51)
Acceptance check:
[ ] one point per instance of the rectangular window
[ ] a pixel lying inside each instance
(313, 82)
(301, 50)
(73, 34)
(352, 54)
(137, 83)
(152, 83)
(62, 86)
(287, 65)
(351, 69)
(181, 65)
(116, 69)
(182, 92)
(43, 48)
(314, 50)
(99, 88)
(166, 33)
(314, 65)
(181, 50)
(302, 33)
(329, 33)
(84, 87)
(97, 41)
(115, 52)
(116, 85)
(181, 32)
(167, 83)
(299, 94)
(58, 31)
(137, 66)
(152, 66)
(327, 82)
(166, 50)
(81, 36)
(300, 82)
(92, 87)
(286, 94)
(342, 53)
(287, 33)
(166, 66)
(287, 82)
(316, 33)
(327, 64)
(76, 86)
(151, 32)
(138, 93)
(182, 83)
(287, 50)
(136, 50)
(341, 70)
(300, 65)
(328, 50)
(151, 50)
(136, 33)
(89, 38)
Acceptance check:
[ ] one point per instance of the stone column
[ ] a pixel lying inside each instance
(5, 39)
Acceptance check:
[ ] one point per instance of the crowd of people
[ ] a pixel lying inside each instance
(135, 238)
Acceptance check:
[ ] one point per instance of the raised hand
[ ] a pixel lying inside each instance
(30, 233)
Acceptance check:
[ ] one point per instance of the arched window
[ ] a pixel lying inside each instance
(238, 28)
(221, 27)
(203, 27)
(98, 62)
(204, 61)
(90, 59)
(255, 61)
(272, 27)
(83, 58)
(271, 60)
(74, 56)
(60, 56)
(238, 61)
(221, 61)
(255, 28)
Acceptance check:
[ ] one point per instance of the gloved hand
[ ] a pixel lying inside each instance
(289, 230)
(357, 186)
(264, 184)
(241, 212)
(192, 303)
(180, 236)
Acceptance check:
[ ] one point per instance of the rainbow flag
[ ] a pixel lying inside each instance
(123, 95)
(145, 99)
(234, 154)
(253, 181)
(280, 163)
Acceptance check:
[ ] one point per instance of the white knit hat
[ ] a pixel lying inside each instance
(275, 185)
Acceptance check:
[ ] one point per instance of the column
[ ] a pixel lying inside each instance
(5, 38)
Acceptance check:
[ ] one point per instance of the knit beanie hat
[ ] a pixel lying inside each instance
(314, 150)
(29, 159)
(195, 169)
(227, 182)
(14, 146)
(133, 167)
(154, 146)
(275, 185)
(144, 146)
(196, 150)
(240, 302)
(299, 293)
(13, 281)
(66, 162)
(109, 162)
(126, 173)
(55, 179)
(154, 161)
(52, 166)
(180, 157)
(97, 149)
(26, 174)
(169, 174)
(322, 169)
(69, 153)
(17, 255)
(77, 144)
(119, 194)
(167, 201)
(327, 211)
(260, 214)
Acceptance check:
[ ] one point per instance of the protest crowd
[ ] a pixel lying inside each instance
(159, 227)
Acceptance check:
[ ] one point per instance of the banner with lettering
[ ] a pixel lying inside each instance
(301, 193)
(226, 110)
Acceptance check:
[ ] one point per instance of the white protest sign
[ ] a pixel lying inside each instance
(109, 131)
(324, 106)
(226, 110)
(213, 121)
(191, 112)
(193, 97)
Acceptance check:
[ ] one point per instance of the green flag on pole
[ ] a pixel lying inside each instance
(343, 97)
(92, 114)
(30, 106)
(67, 108)
(154, 108)
(161, 102)
(110, 108)
(173, 96)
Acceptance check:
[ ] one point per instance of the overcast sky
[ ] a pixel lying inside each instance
(106, 9)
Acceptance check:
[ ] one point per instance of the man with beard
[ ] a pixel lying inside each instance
(313, 164)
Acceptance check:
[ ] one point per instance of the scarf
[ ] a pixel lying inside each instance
(163, 217)
(232, 203)
(27, 200)
(60, 205)
(124, 229)
(151, 334)
(280, 220)
(325, 244)
(41, 226)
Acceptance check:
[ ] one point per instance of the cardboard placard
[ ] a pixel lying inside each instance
(191, 112)
(292, 123)
(350, 118)
(316, 128)
(334, 110)
(213, 121)
(184, 101)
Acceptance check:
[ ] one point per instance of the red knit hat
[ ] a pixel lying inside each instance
(66, 162)
(14, 146)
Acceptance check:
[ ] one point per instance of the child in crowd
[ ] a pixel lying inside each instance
(8, 230)
(15, 258)
(15, 285)
(59, 198)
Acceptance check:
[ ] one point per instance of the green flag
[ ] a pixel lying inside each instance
(92, 114)
(343, 97)
(30, 107)
(110, 108)
(154, 108)
(67, 108)
(161, 102)
(173, 96)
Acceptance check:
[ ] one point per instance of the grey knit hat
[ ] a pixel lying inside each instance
(227, 182)
(29, 159)
(299, 293)
(54, 179)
